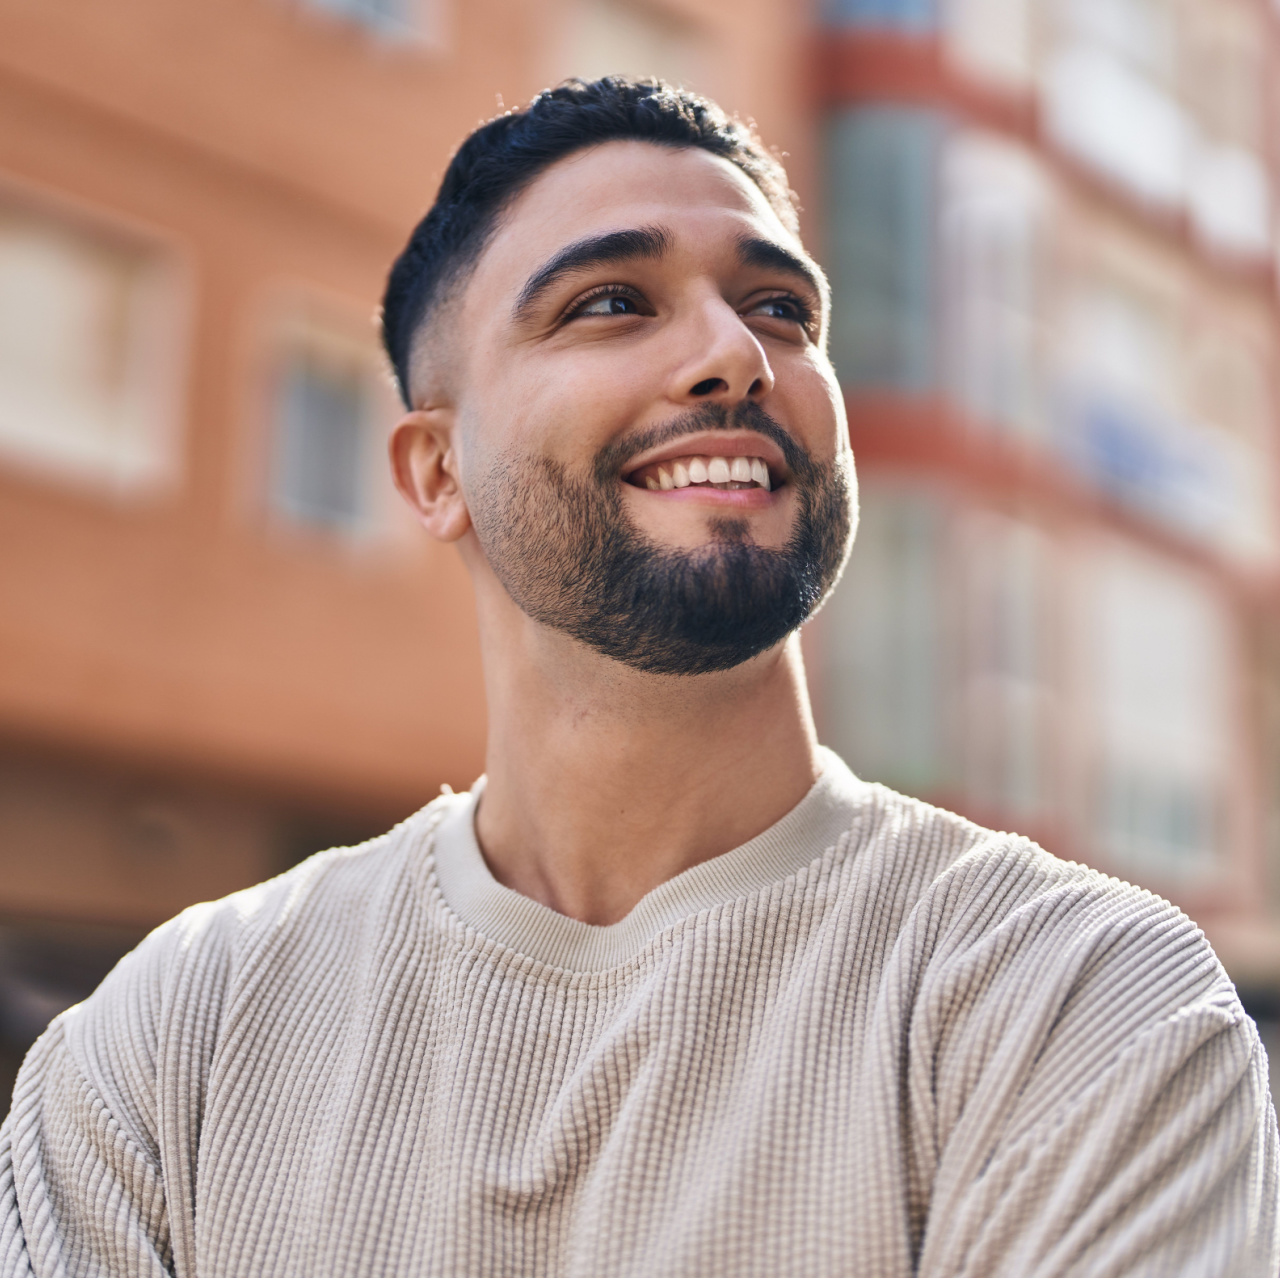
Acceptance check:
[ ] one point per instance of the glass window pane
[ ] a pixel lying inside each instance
(908, 15)
(320, 462)
(387, 17)
(331, 409)
(882, 681)
(86, 362)
(882, 176)
(1162, 655)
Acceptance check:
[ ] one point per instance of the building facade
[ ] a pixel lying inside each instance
(1051, 233)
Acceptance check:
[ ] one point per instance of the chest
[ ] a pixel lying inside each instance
(451, 1112)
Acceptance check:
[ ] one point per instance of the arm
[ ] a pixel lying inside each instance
(1164, 1164)
(82, 1190)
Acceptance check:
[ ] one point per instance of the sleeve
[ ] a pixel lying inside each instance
(1164, 1165)
(1086, 1094)
(81, 1185)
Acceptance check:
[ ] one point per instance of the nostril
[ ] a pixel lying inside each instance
(708, 386)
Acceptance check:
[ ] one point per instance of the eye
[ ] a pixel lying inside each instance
(784, 307)
(608, 300)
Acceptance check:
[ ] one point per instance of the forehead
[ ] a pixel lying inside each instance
(619, 185)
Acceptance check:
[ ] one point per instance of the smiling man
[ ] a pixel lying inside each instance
(670, 991)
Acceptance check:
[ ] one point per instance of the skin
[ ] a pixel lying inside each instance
(604, 782)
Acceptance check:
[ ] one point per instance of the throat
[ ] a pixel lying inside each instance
(589, 808)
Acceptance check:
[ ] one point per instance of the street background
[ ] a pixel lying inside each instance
(1051, 231)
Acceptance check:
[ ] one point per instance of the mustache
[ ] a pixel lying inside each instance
(744, 416)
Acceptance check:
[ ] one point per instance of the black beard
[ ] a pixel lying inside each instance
(569, 556)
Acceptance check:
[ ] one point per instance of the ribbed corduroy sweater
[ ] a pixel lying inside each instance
(874, 1040)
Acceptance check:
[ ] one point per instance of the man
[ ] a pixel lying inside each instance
(670, 991)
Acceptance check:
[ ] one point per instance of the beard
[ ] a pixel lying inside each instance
(567, 553)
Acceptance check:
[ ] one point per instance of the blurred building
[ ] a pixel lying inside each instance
(224, 645)
(1050, 226)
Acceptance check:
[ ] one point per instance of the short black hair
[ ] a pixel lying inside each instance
(496, 162)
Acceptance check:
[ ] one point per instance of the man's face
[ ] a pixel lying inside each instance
(651, 439)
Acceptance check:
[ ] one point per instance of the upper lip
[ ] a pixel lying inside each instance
(715, 444)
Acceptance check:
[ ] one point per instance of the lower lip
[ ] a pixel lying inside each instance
(742, 499)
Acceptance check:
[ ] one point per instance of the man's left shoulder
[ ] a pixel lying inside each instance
(1018, 899)
(991, 907)
(1014, 944)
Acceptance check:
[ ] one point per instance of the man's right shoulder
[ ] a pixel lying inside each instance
(217, 950)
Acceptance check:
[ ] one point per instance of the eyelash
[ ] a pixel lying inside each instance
(804, 313)
(601, 291)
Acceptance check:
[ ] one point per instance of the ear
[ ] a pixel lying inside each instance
(424, 464)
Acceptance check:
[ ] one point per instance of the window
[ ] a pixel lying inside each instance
(881, 637)
(890, 15)
(935, 665)
(395, 19)
(995, 207)
(1230, 403)
(1176, 430)
(630, 37)
(1161, 663)
(993, 40)
(1005, 697)
(332, 407)
(88, 323)
(1230, 193)
(881, 242)
(1110, 95)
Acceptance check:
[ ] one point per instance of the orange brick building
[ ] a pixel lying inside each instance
(222, 644)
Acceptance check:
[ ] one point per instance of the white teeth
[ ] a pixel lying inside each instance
(720, 472)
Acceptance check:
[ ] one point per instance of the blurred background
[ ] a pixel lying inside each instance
(1051, 232)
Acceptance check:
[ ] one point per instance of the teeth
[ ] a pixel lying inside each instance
(723, 473)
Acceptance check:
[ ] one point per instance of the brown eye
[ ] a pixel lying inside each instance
(781, 309)
(609, 304)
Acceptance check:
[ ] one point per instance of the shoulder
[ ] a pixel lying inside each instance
(1009, 955)
(174, 986)
(986, 914)
(970, 887)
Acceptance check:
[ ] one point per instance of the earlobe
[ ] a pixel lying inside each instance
(424, 464)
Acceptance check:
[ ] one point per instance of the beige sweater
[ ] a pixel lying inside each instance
(875, 1040)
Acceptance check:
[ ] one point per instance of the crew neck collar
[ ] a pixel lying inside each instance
(824, 814)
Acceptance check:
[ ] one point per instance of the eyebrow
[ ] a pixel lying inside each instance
(754, 251)
(592, 251)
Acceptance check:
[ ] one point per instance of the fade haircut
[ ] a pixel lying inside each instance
(502, 157)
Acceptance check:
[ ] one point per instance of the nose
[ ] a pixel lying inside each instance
(726, 361)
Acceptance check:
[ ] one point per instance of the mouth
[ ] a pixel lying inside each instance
(705, 471)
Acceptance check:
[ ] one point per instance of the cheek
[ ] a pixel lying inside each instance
(816, 406)
(574, 405)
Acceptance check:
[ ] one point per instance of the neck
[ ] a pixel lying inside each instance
(604, 782)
